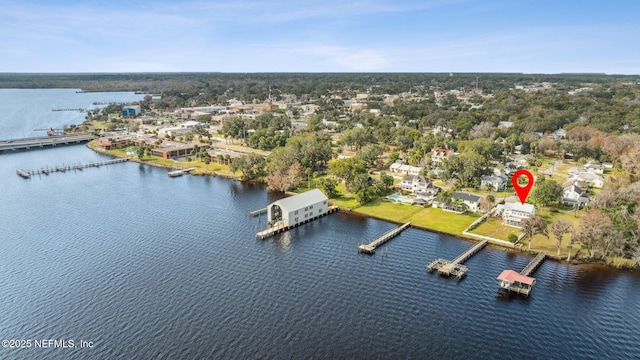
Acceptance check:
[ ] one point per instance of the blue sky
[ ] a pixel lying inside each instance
(320, 36)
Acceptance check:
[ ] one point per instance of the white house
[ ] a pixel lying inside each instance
(560, 134)
(415, 183)
(574, 195)
(471, 201)
(496, 182)
(588, 178)
(402, 168)
(297, 209)
(594, 168)
(514, 213)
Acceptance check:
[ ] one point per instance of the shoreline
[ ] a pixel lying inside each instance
(502, 246)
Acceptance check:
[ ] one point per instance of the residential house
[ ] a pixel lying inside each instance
(440, 153)
(594, 168)
(496, 183)
(415, 183)
(514, 213)
(575, 196)
(402, 168)
(560, 134)
(471, 201)
(587, 177)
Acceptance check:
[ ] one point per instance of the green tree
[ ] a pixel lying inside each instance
(534, 225)
(347, 169)
(547, 192)
(251, 165)
(328, 187)
(558, 229)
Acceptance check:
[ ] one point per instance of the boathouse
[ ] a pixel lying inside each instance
(513, 281)
(297, 209)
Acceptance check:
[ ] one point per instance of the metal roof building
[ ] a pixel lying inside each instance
(297, 209)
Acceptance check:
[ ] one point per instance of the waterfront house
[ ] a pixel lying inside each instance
(514, 213)
(575, 196)
(297, 209)
(415, 183)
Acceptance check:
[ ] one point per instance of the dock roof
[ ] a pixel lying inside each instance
(513, 276)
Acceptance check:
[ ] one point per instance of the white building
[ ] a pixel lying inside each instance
(594, 168)
(574, 195)
(415, 183)
(472, 202)
(297, 209)
(496, 182)
(401, 168)
(514, 213)
(588, 178)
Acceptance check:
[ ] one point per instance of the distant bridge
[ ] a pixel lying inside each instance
(43, 142)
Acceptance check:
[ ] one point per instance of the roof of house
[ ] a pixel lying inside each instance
(465, 197)
(301, 200)
(412, 178)
(516, 206)
(575, 188)
(513, 276)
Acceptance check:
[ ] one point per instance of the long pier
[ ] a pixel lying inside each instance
(533, 265)
(455, 267)
(282, 228)
(63, 168)
(370, 248)
(43, 142)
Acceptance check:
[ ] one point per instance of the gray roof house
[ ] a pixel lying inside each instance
(496, 182)
(574, 195)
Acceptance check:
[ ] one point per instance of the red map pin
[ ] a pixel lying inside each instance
(522, 191)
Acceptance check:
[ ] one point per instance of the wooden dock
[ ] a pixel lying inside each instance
(533, 265)
(520, 283)
(258, 212)
(180, 172)
(371, 247)
(63, 168)
(277, 229)
(455, 267)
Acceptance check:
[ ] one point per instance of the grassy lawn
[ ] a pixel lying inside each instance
(494, 228)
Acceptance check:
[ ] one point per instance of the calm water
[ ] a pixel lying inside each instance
(148, 266)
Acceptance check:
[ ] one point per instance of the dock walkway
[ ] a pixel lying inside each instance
(63, 168)
(258, 212)
(455, 267)
(180, 172)
(533, 265)
(371, 247)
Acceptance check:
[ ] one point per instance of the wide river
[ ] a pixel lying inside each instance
(133, 264)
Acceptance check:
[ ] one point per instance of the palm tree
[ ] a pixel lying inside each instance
(534, 225)
(558, 229)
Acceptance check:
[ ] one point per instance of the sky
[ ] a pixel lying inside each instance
(528, 36)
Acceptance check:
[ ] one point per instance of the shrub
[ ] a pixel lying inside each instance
(512, 237)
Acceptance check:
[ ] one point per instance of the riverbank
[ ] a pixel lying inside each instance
(428, 219)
